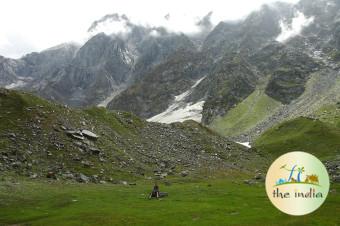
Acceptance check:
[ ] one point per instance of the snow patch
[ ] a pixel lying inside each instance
(246, 144)
(178, 113)
(188, 92)
(127, 57)
(155, 33)
(179, 110)
(108, 99)
(15, 85)
(290, 30)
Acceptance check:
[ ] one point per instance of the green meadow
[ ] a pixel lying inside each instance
(190, 202)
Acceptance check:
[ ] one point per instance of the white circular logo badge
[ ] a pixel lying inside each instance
(297, 183)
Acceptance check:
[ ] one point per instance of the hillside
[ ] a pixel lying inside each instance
(43, 139)
(318, 135)
(301, 134)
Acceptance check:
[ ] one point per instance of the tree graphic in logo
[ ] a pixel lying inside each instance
(312, 179)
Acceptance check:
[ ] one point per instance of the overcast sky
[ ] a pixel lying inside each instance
(34, 25)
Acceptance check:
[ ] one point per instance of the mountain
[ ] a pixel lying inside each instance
(8, 75)
(275, 58)
(36, 69)
(44, 139)
(99, 66)
(278, 63)
(94, 73)
(153, 94)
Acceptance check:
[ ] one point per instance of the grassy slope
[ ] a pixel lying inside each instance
(255, 108)
(329, 114)
(301, 134)
(189, 203)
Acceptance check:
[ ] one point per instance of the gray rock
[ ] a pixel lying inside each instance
(82, 178)
(34, 176)
(184, 173)
(259, 177)
(90, 134)
(94, 151)
(68, 176)
(95, 179)
(249, 182)
(336, 179)
(86, 163)
(75, 134)
(51, 175)
(12, 135)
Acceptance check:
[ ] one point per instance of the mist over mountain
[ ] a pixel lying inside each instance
(280, 52)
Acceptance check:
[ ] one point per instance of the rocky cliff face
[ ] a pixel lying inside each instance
(87, 75)
(99, 66)
(154, 93)
(8, 68)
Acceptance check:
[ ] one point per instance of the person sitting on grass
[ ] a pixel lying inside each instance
(155, 192)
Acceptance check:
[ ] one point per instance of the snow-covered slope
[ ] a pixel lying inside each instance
(180, 110)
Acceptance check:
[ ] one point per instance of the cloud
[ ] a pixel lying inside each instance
(15, 45)
(205, 23)
(167, 16)
(154, 33)
(121, 20)
(3, 42)
(40, 24)
(121, 24)
(291, 30)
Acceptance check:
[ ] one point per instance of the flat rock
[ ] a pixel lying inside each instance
(89, 134)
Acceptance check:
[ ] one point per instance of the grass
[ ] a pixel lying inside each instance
(301, 134)
(13, 108)
(254, 109)
(329, 114)
(208, 202)
(296, 183)
(111, 119)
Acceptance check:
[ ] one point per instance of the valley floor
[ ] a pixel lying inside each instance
(208, 202)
